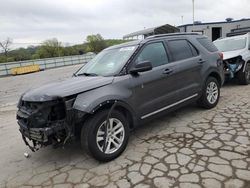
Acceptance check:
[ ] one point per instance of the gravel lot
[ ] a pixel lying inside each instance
(189, 148)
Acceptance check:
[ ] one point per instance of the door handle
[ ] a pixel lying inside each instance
(201, 61)
(167, 71)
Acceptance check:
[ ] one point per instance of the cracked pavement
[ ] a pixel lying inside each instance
(189, 148)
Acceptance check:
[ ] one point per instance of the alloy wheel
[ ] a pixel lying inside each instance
(212, 92)
(110, 136)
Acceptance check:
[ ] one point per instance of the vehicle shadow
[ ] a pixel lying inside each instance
(231, 83)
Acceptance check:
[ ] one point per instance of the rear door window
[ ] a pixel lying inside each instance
(155, 53)
(181, 49)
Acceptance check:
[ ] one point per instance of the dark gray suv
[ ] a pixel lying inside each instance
(121, 88)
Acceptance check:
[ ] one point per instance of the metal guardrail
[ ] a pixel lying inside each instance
(5, 68)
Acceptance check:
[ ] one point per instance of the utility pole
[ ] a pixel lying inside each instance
(182, 20)
(193, 11)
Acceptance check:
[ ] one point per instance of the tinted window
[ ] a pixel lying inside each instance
(206, 43)
(155, 53)
(180, 49)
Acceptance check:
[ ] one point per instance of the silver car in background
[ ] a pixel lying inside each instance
(236, 57)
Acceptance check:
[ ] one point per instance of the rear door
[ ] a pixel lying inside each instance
(188, 63)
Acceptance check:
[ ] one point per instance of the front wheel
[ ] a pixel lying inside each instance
(105, 141)
(210, 94)
(244, 77)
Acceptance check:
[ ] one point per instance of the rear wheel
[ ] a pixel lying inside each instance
(105, 141)
(244, 77)
(210, 94)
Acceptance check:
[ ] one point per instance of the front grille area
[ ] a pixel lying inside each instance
(40, 114)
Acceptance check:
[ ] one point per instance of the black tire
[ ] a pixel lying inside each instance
(244, 77)
(89, 135)
(203, 100)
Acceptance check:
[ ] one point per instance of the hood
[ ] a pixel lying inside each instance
(231, 54)
(65, 88)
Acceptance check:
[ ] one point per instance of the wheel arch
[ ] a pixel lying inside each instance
(216, 75)
(121, 106)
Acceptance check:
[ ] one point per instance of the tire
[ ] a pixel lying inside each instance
(206, 101)
(96, 124)
(244, 77)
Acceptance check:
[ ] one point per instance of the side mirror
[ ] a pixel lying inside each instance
(141, 67)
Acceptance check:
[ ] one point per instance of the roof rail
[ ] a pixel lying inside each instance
(173, 34)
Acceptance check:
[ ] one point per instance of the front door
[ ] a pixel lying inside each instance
(153, 90)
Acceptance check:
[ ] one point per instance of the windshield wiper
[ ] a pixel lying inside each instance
(87, 74)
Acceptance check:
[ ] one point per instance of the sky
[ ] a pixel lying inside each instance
(70, 21)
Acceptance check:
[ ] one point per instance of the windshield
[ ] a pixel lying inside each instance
(231, 44)
(108, 62)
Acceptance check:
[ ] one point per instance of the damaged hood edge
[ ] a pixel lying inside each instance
(65, 88)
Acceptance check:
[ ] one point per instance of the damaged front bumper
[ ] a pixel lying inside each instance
(43, 124)
(39, 136)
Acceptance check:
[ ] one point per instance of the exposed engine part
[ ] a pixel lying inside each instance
(233, 65)
(46, 123)
(232, 69)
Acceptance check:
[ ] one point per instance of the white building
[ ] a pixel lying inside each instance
(151, 31)
(215, 30)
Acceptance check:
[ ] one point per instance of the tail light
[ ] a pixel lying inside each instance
(221, 55)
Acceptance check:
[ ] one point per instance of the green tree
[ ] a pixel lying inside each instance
(70, 50)
(95, 43)
(50, 48)
(20, 54)
(111, 42)
(81, 48)
(54, 48)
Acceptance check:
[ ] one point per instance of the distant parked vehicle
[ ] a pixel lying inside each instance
(236, 57)
(121, 88)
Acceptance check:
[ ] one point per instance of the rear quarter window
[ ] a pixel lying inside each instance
(206, 43)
